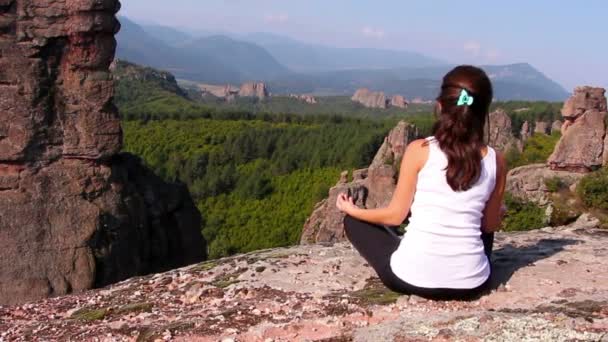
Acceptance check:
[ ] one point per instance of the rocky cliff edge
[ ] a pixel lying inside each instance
(548, 285)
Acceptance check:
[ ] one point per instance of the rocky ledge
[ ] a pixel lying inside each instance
(549, 285)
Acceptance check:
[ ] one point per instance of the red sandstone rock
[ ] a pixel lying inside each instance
(371, 188)
(556, 127)
(499, 131)
(525, 131)
(252, 89)
(398, 101)
(581, 148)
(541, 127)
(584, 99)
(73, 213)
(370, 99)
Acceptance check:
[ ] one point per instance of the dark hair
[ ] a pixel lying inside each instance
(460, 129)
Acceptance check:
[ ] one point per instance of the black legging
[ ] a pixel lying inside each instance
(377, 243)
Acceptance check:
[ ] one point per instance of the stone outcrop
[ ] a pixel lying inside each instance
(398, 101)
(227, 92)
(556, 127)
(377, 99)
(253, 89)
(584, 99)
(304, 98)
(542, 127)
(73, 213)
(524, 133)
(499, 132)
(530, 182)
(371, 188)
(547, 285)
(370, 99)
(581, 148)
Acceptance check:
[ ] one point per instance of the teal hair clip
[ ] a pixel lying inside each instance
(465, 98)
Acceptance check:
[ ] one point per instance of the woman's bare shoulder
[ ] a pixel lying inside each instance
(417, 153)
(419, 144)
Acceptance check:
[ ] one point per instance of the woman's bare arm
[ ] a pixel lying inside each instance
(413, 160)
(492, 214)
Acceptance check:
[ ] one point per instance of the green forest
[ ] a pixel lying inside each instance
(254, 181)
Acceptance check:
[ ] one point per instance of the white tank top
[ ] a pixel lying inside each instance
(442, 247)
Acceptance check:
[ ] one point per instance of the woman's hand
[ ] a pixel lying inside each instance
(345, 203)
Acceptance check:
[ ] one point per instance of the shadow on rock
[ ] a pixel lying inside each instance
(509, 258)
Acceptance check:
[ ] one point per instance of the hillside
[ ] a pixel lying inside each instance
(249, 60)
(138, 46)
(511, 82)
(303, 57)
(166, 34)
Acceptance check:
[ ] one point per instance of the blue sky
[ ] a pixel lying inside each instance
(564, 39)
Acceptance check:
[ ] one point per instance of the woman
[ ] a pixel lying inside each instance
(453, 184)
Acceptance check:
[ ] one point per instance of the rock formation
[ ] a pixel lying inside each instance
(371, 188)
(556, 127)
(227, 92)
(73, 213)
(370, 99)
(304, 98)
(499, 132)
(398, 101)
(378, 99)
(581, 148)
(541, 127)
(525, 131)
(252, 89)
(529, 182)
(547, 285)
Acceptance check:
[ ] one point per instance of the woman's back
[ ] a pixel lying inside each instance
(442, 247)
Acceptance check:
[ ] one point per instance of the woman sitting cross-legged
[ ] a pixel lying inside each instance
(453, 184)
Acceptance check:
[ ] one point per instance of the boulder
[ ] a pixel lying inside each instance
(581, 148)
(529, 182)
(253, 89)
(525, 131)
(499, 132)
(371, 188)
(541, 127)
(547, 285)
(370, 99)
(606, 150)
(584, 99)
(226, 92)
(305, 98)
(74, 214)
(556, 127)
(394, 145)
(398, 101)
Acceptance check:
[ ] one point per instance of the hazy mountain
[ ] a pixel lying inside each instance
(511, 82)
(167, 35)
(300, 56)
(138, 46)
(250, 60)
(219, 59)
(216, 59)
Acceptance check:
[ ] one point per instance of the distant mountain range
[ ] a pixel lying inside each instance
(290, 66)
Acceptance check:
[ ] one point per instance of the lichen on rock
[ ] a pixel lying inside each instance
(549, 284)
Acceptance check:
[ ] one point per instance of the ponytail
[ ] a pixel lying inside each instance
(462, 111)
